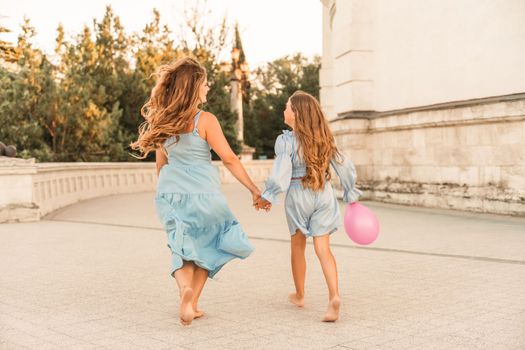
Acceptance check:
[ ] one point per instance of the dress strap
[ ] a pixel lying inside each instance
(196, 121)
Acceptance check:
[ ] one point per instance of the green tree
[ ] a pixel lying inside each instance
(85, 103)
(206, 42)
(89, 109)
(151, 48)
(26, 98)
(219, 104)
(276, 81)
(110, 74)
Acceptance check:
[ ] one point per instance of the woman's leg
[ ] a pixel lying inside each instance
(200, 276)
(184, 278)
(298, 244)
(328, 264)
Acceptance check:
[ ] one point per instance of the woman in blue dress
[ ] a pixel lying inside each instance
(302, 169)
(203, 234)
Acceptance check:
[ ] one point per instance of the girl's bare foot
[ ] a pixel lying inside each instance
(297, 301)
(186, 308)
(332, 314)
(198, 313)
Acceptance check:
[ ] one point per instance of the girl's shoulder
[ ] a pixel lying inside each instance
(286, 136)
(285, 142)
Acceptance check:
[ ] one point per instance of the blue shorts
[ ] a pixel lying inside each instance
(314, 213)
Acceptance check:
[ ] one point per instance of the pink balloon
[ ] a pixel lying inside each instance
(361, 224)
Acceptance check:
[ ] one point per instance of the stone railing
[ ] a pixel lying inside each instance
(29, 190)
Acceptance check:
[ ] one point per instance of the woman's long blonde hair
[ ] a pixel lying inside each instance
(315, 139)
(172, 105)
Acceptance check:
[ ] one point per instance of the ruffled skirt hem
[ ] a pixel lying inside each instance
(210, 246)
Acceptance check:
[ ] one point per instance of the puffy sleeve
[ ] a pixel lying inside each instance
(281, 174)
(347, 175)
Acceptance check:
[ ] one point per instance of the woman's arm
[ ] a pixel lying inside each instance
(160, 159)
(219, 144)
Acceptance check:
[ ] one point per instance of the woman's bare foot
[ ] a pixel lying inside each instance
(332, 314)
(297, 301)
(198, 313)
(186, 308)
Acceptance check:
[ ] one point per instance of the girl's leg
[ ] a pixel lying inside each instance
(298, 244)
(184, 278)
(200, 276)
(328, 264)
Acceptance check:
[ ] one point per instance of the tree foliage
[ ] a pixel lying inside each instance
(276, 81)
(82, 102)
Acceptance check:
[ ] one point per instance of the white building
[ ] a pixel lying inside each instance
(428, 97)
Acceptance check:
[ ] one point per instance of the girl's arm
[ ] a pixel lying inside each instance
(281, 174)
(220, 145)
(160, 159)
(347, 175)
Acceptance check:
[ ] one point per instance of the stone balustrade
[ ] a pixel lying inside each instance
(29, 190)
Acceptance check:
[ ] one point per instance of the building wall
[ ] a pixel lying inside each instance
(435, 51)
(384, 55)
(428, 98)
(469, 157)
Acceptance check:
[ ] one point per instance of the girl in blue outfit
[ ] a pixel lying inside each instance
(203, 234)
(301, 168)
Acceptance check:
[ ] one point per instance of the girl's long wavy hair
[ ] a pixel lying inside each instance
(315, 140)
(172, 105)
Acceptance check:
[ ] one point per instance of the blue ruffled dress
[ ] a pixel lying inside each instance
(314, 213)
(194, 212)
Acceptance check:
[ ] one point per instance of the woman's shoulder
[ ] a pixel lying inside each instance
(207, 119)
(205, 115)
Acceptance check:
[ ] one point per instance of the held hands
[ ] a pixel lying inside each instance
(256, 195)
(263, 204)
(258, 202)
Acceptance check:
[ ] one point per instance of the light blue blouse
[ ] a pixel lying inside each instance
(288, 164)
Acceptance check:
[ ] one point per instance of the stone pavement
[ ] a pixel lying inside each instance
(95, 275)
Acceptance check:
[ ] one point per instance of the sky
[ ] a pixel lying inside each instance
(269, 28)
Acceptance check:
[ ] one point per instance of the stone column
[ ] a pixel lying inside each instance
(236, 104)
(347, 75)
